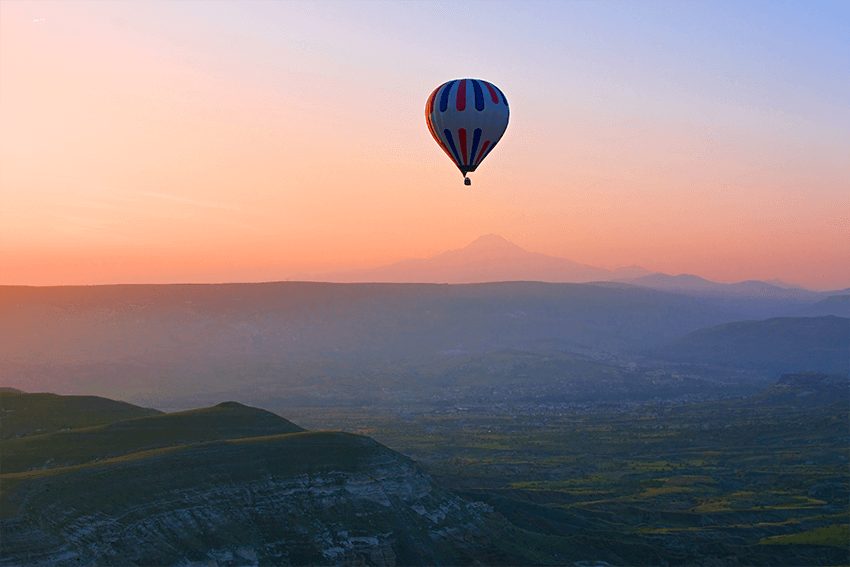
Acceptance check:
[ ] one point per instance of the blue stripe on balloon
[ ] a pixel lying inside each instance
(451, 141)
(479, 97)
(476, 137)
(501, 93)
(444, 97)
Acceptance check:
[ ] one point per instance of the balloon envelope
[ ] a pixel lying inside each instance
(467, 118)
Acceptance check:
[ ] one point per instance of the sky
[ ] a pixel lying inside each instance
(170, 142)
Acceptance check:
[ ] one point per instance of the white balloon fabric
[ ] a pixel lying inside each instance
(467, 118)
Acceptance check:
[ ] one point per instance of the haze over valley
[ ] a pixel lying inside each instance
(502, 422)
(305, 343)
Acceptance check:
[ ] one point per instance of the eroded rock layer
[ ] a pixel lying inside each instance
(314, 498)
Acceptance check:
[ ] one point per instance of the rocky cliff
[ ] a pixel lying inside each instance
(312, 498)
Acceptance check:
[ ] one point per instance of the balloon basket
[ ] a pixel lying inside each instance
(467, 181)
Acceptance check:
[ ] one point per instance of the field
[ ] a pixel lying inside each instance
(752, 481)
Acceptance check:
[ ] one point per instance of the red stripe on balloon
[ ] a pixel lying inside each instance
(482, 152)
(429, 108)
(462, 135)
(437, 138)
(461, 95)
(493, 94)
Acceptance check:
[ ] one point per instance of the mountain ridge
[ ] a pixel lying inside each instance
(474, 264)
(780, 344)
(492, 258)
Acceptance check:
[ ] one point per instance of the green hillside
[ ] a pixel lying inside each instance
(139, 477)
(24, 414)
(807, 389)
(228, 420)
(309, 498)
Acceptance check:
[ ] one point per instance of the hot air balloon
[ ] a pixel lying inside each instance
(467, 117)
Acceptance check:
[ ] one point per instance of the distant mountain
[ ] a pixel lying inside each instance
(308, 498)
(779, 283)
(287, 337)
(38, 414)
(838, 305)
(754, 298)
(490, 258)
(687, 283)
(785, 344)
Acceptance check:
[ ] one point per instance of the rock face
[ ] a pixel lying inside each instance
(313, 498)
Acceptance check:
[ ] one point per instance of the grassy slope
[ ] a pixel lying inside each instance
(24, 414)
(837, 536)
(228, 420)
(110, 485)
(232, 479)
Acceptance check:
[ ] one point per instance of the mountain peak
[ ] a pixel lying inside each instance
(489, 258)
(492, 242)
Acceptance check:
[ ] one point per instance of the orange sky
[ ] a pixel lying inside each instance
(174, 142)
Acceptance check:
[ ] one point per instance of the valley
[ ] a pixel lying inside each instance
(721, 483)
(512, 423)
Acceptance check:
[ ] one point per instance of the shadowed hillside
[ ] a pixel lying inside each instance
(807, 389)
(228, 420)
(293, 499)
(29, 414)
(788, 344)
(838, 305)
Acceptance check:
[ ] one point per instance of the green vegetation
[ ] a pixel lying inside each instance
(301, 498)
(650, 484)
(838, 536)
(24, 414)
(761, 480)
(227, 420)
(143, 475)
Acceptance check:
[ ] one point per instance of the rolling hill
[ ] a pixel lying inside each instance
(228, 420)
(23, 414)
(838, 305)
(783, 344)
(214, 486)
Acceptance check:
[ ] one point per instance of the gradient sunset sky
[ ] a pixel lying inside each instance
(160, 142)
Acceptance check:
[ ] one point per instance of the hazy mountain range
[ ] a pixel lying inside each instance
(783, 344)
(327, 342)
(491, 258)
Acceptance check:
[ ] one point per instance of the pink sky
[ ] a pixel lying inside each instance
(211, 142)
